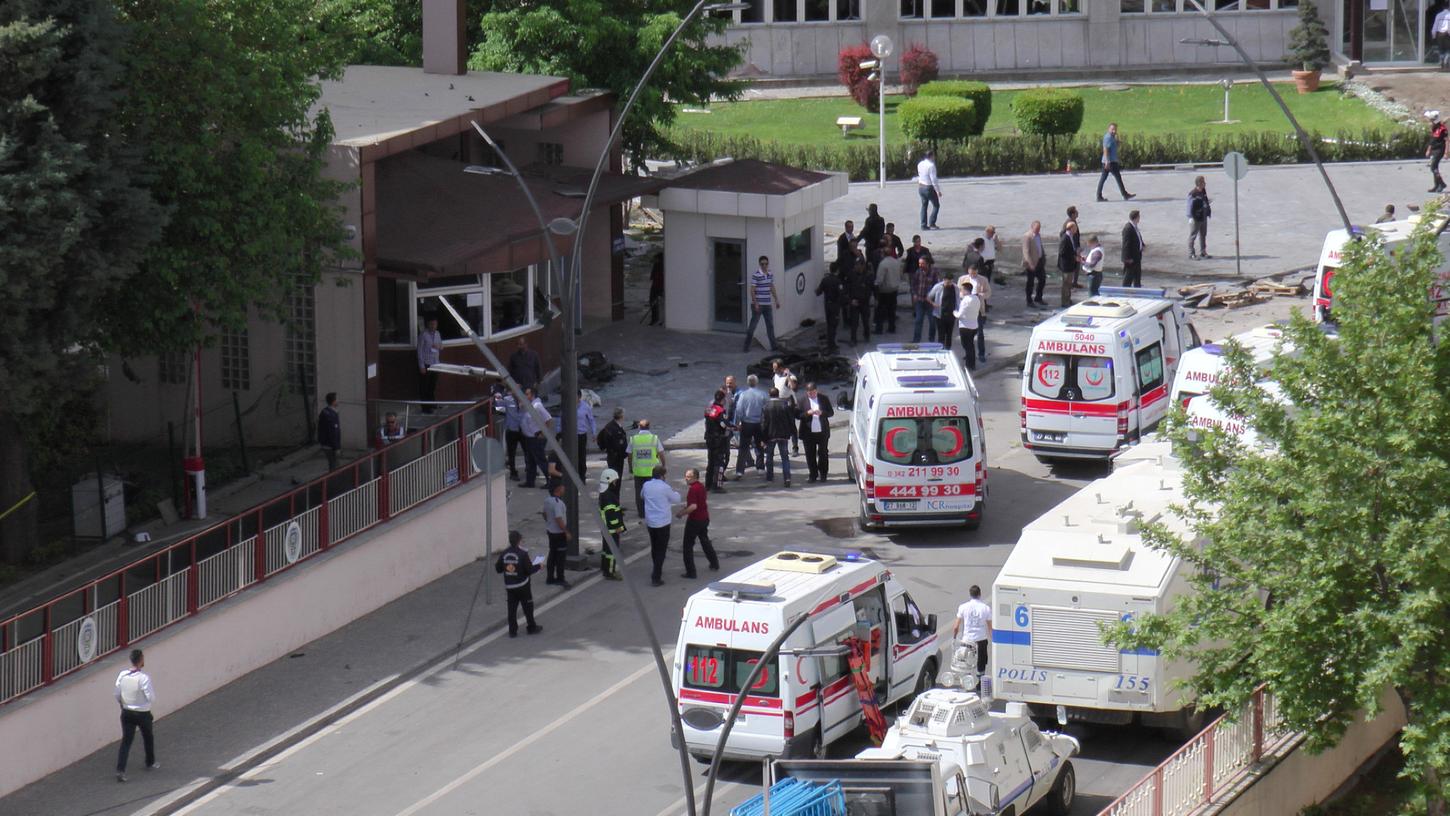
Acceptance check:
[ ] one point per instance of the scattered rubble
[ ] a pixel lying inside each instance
(1233, 296)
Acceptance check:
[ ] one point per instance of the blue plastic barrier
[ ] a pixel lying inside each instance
(794, 797)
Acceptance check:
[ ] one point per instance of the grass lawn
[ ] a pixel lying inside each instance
(1144, 109)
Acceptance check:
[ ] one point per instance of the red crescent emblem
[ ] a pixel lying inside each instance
(1090, 380)
(957, 441)
(891, 442)
(1043, 371)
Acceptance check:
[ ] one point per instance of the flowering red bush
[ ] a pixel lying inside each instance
(918, 65)
(855, 78)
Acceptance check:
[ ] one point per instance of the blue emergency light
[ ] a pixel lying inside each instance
(901, 348)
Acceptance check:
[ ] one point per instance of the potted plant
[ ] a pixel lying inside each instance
(1308, 47)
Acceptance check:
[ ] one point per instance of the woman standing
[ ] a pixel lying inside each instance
(1199, 212)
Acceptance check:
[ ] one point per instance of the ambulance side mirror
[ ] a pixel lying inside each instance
(931, 623)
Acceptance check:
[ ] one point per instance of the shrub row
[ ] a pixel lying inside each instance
(1048, 112)
(936, 119)
(978, 93)
(1014, 155)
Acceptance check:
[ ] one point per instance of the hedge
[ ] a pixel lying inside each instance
(937, 118)
(978, 92)
(1048, 112)
(1014, 155)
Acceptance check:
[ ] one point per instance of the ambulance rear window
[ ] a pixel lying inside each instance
(924, 441)
(715, 668)
(1077, 377)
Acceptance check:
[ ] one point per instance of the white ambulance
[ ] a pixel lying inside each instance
(916, 448)
(1200, 368)
(804, 699)
(1204, 412)
(1394, 234)
(1082, 564)
(1097, 375)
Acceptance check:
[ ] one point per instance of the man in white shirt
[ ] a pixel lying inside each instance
(982, 288)
(974, 625)
(928, 188)
(135, 696)
(658, 496)
(534, 422)
(1092, 264)
(430, 346)
(969, 316)
(991, 245)
(1440, 30)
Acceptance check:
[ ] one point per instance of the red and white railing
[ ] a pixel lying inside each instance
(41, 645)
(1206, 764)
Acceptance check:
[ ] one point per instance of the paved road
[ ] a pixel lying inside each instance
(568, 722)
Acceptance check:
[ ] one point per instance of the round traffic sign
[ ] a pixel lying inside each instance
(1235, 166)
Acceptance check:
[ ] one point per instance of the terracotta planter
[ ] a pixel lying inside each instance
(1306, 81)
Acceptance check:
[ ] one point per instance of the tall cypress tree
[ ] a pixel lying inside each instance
(74, 219)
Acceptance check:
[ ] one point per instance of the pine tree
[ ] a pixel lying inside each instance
(74, 218)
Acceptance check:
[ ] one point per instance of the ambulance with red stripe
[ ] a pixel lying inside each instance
(804, 699)
(1097, 375)
(1394, 234)
(1200, 369)
(916, 447)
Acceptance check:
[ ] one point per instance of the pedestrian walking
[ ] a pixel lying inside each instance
(584, 425)
(1034, 264)
(513, 434)
(1092, 265)
(982, 288)
(1200, 210)
(430, 346)
(872, 229)
(779, 374)
(645, 453)
(1389, 214)
(859, 289)
(717, 442)
(696, 514)
(658, 497)
(922, 280)
(929, 189)
(517, 570)
(391, 430)
(888, 287)
(1068, 260)
(533, 424)
(1111, 165)
(973, 256)
(763, 300)
(894, 239)
(777, 427)
(815, 412)
(612, 517)
(974, 625)
(991, 245)
(556, 526)
(732, 424)
(830, 289)
(1435, 150)
(969, 316)
(1440, 32)
(614, 441)
(524, 365)
(749, 414)
(913, 256)
(135, 695)
(1133, 246)
(329, 430)
(656, 288)
(846, 246)
(792, 396)
(944, 300)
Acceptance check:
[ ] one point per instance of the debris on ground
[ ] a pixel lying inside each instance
(1210, 295)
(808, 365)
(594, 367)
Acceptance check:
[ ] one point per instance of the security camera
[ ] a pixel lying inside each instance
(867, 65)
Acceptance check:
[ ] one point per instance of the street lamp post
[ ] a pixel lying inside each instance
(881, 47)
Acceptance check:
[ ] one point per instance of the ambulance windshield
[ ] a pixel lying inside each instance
(924, 440)
(1077, 377)
(716, 668)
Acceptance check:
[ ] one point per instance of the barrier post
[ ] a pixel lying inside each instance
(1258, 716)
(259, 550)
(322, 527)
(1158, 791)
(192, 582)
(123, 622)
(47, 649)
(1208, 762)
(462, 448)
(383, 485)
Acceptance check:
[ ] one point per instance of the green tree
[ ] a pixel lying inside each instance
(1325, 564)
(389, 32)
(608, 44)
(74, 220)
(221, 101)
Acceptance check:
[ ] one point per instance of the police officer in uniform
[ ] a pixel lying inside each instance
(517, 568)
(613, 517)
(644, 452)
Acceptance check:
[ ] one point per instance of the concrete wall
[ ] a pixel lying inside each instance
(342, 352)
(68, 721)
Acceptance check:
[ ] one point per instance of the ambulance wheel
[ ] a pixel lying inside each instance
(925, 681)
(850, 468)
(976, 523)
(864, 520)
(815, 749)
(1064, 790)
(703, 759)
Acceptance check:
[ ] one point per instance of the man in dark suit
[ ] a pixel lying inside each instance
(815, 412)
(1069, 259)
(1132, 252)
(846, 248)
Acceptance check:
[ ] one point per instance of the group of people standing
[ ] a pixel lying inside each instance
(766, 423)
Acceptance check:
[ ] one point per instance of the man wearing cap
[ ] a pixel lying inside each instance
(613, 517)
(1435, 151)
(516, 567)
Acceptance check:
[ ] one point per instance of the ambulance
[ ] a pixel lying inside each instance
(1205, 412)
(1200, 368)
(1097, 375)
(1394, 234)
(803, 700)
(916, 448)
(1084, 564)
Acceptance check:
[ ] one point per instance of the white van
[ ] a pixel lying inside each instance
(801, 702)
(1200, 368)
(1097, 374)
(1204, 412)
(1394, 234)
(916, 448)
(1081, 564)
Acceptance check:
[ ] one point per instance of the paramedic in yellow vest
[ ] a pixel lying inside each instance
(644, 452)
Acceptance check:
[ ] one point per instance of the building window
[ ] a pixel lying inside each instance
(301, 343)
(1132, 6)
(1069, 6)
(1008, 8)
(974, 8)
(817, 11)
(911, 9)
(943, 8)
(172, 367)
(551, 153)
(236, 360)
(848, 9)
(493, 305)
(785, 11)
(755, 13)
(395, 312)
(797, 248)
(1164, 6)
(1039, 6)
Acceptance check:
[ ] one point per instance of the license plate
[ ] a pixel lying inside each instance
(898, 505)
(1048, 436)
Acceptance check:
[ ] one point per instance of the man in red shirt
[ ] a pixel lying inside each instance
(697, 523)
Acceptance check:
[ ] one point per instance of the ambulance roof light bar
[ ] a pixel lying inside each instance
(737, 590)
(1130, 291)
(904, 348)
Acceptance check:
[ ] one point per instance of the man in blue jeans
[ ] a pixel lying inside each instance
(928, 188)
(762, 303)
(1110, 163)
(922, 279)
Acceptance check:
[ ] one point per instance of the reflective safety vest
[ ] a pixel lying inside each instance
(646, 453)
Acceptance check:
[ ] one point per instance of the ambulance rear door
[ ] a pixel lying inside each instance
(724, 642)
(925, 454)
(1072, 395)
(1150, 383)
